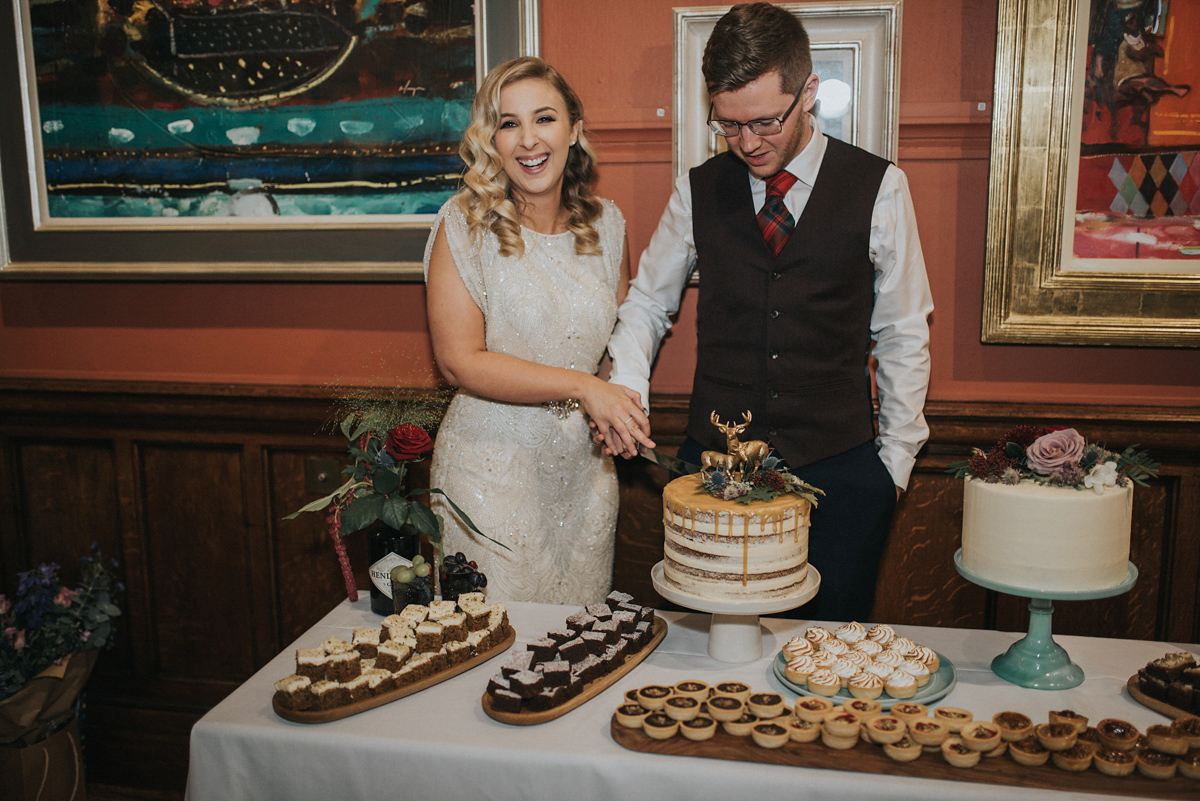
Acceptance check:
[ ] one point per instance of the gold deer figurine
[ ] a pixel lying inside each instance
(740, 453)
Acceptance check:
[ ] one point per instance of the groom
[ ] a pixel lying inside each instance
(810, 263)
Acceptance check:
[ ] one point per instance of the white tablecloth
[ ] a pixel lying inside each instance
(439, 744)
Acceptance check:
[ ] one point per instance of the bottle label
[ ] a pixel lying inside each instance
(381, 572)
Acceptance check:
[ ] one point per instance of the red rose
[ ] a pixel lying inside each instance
(407, 441)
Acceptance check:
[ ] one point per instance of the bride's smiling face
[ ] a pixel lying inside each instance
(534, 138)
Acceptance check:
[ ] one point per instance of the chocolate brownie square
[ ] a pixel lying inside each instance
(599, 611)
(573, 650)
(543, 649)
(556, 673)
(516, 662)
(596, 641)
(580, 621)
(527, 683)
(506, 701)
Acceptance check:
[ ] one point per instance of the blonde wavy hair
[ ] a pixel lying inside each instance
(486, 194)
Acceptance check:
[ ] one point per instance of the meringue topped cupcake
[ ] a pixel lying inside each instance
(917, 669)
(797, 646)
(899, 684)
(857, 657)
(844, 669)
(835, 647)
(865, 685)
(825, 682)
(798, 669)
(901, 645)
(881, 633)
(868, 647)
(890, 658)
(817, 635)
(851, 633)
(926, 656)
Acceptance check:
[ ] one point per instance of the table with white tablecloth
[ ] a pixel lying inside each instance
(439, 744)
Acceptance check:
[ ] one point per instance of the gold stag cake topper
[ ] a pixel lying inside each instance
(738, 454)
(749, 472)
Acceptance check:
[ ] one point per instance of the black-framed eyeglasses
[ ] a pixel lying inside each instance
(763, 127)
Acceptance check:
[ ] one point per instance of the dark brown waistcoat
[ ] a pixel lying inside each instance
(786, 338)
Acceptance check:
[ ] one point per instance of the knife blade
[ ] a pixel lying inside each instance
(672, 463)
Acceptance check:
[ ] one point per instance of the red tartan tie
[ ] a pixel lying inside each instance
(774, 220)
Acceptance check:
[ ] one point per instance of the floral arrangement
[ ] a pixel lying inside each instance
(1056, 456)
(49, 621)
(761, 481)
(385, 434)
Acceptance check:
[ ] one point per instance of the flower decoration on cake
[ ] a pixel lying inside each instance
(1056, 456)
(763, 481)
(386, 432)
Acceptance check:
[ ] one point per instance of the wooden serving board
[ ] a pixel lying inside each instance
(870, 758)
(593, 688)
(1136, 693)
(339, 712)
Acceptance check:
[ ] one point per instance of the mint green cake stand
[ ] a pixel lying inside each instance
(1036, 660)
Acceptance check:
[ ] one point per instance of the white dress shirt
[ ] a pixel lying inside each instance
(899, 319)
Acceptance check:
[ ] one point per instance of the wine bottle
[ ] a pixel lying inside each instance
(388, 548)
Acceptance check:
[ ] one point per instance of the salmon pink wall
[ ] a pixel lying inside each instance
(618, 55)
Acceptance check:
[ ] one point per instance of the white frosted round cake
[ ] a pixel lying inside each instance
(726, 550)
(1039, 537)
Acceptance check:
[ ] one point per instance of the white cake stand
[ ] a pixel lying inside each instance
(733, 634)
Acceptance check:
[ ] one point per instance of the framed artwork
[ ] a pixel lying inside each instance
(226, 140)
(856, 54)
(1094, 193)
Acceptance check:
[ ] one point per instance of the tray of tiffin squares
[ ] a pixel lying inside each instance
(858, 725)
(594, 648)
(420, 646)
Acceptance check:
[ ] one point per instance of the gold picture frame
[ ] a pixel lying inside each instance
(1031, 293)
(368, 247)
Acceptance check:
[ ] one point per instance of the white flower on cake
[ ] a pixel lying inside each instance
(1102, 475)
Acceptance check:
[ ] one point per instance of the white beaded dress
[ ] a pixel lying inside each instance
(528, 475)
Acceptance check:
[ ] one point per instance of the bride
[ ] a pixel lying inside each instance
(525, 268)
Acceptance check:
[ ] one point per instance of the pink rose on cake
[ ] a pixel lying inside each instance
(1053, 451)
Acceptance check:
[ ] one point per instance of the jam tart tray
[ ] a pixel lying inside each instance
(355, 707)
(590, 690)
(870, 758)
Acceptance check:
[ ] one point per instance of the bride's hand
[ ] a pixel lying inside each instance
(617, 417)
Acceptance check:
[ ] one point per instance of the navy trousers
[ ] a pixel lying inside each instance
(848, 530)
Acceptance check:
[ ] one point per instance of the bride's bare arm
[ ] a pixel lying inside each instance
(457, 329)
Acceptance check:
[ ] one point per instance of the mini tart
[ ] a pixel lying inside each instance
(1190, 728)
(824, 682)
(692, 688)
(766, 705)
(885, 729)
(1077, 758)
(903, 750)
(1089, 738)
(1156, 764)
(1056, 736)
(802, 731)
(653, 696)
(632, 716)
(926, 656)
(726, 707)
(681, 707)
(740, 727)
(797, 646)
(698, 728)
(1029, 752)
(817, 635)
(980, 736)
(1077, 720)
(928, 732)
(865, 685)
(917, 669)
(812, 708)
(631, 696)
(1162, 737)
(734, 688)
(881, 633)
(1114, 762)
(953, 716)
(660, 727)
(1190, 765)
(1013, 725)
(999, 750)
(852, 632)
(868, 647)
(838, 743)
(899, 684)
(799, 668)
(769, 734)
(840, 723)
(1116, 734)
(956, 752)
(865, 708)
(835, 647)
(908, 711)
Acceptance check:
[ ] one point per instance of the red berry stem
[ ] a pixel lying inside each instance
(339, 545)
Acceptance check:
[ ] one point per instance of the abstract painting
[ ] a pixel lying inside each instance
(166, 112)
(1138, 195)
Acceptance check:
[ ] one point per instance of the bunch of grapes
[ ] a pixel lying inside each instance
(460, 576)
(412, 585)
